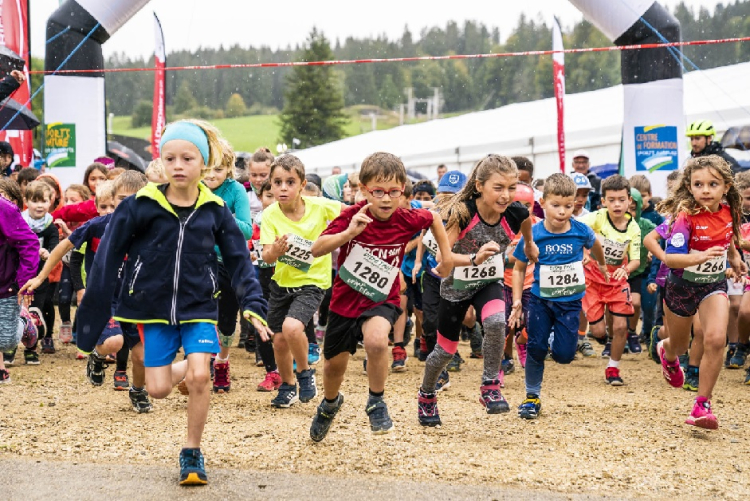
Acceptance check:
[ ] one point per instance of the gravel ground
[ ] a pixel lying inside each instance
(590, 439)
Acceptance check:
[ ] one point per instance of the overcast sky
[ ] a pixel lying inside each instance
(189, 24)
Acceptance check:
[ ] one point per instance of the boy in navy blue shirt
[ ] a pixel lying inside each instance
(559, 285)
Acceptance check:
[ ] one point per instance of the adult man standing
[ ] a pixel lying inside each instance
(335, 170)
(701, 134)
(581, 165)
(441, 170)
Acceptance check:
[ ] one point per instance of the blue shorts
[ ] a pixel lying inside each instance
(161, 341)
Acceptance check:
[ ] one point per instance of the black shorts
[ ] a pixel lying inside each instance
(683, 297)
(343, 334)
(636, 284)
(299, 303)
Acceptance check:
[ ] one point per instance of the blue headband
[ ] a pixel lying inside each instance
(187, 131)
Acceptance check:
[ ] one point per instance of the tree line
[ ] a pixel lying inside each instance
(465, 85)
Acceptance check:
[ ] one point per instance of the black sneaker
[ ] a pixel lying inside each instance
(9, 357)
(427, 409)
(48, 346)
(607, 351)
(652, 344)
(740, 357)
(307, 388)
(4, 376)
(192, 468)
(455, 364)
(286, 397)
(121, 381)
(324, 417)
(380, 421)
(140, 401)
(634, 344)
(95, 369)
(31, 357)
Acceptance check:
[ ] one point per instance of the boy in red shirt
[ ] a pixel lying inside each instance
(365, 302)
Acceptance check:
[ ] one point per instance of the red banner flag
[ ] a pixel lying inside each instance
(159, 116)
(14, 35)
(558, 71)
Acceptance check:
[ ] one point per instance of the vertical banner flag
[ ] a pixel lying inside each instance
(159, 116)
(558, 71)
(14, 34)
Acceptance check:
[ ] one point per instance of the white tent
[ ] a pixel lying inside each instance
(593, 120)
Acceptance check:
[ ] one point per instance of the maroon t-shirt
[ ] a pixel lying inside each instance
(384, 239)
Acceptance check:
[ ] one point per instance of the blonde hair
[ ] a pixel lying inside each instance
(113, 173)
(131, 181)
(682, 200)
(213, 136)
(453, 209)
(155, 170)
(228, 158)
(105, 189)
(743, 180)
(559, 185)
(38, 191)
(82, 190)
(640, 183)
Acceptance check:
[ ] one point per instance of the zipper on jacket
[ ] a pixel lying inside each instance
(180, 240)
(136, 270)
(213, 282)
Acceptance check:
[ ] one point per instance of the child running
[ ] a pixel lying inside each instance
(559, 284)
(703, 229)
(168, 233)
(365, 302)
(290, 226)
(620, 237)
(481, 218)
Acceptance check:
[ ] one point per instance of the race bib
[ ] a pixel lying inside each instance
(299, 254)
(561, 280)
(707, 273)
(614, 252)
(368, 274)
(428, 240)
(475, 277)
(257, 252)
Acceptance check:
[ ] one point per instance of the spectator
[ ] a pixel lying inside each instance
(581, 165)
(441, 170)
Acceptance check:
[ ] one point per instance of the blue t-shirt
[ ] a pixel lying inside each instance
(408, 265)
(557, 249)
(91, 234)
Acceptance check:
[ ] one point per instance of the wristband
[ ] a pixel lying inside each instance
(472, 258)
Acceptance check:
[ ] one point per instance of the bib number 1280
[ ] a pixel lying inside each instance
(368, 274)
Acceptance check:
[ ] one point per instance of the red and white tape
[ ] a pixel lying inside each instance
(407, 59)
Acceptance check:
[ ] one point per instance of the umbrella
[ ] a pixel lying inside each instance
(10, 61)
(126, 156)
(25, 120)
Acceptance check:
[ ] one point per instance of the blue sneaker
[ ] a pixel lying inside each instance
(508, 366)
(313, 354)
(634, 344)
(443, 382)
(530, 407)
(380, 420)
(286, 397)
(307, 388)
(192, 469)
(324, 417)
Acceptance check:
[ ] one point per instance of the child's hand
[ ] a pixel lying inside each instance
(63, 227)
(652, 288)
(711, 253)
(486, 251)
(620, 273)
(30, 286)
(280, 246)
(360, 221)
(532, 251)
(605, 273)
(25, 299)
(79, 296)
(514, 321)
(442, 270)
(415, 272)
(43, 254)
(263, 330)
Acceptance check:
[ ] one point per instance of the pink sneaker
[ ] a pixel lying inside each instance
(222, 381)
(501, 378)
(521, 352)
(320, 333)
(30, 333)
(671, 371)
(271, 382)
(702, 417)
(66, 332)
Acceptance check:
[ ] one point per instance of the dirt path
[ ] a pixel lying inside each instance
(591, 438)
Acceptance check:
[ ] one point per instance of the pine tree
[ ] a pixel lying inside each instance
(184, 99)
(313, 109)
(235, 106)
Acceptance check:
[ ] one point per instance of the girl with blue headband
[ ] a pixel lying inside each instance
(171, 286)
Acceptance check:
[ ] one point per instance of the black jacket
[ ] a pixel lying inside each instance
(171, 274)
(715, 148)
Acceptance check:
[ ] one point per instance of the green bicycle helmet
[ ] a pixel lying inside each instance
(701, 128)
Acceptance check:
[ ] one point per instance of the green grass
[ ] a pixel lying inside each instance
(251, 132)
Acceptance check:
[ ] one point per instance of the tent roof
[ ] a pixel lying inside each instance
(591, 119)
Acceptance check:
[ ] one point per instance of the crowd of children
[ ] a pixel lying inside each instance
(166, 261)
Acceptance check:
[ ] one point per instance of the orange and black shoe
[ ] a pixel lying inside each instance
(192, 469)
(121, 381)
